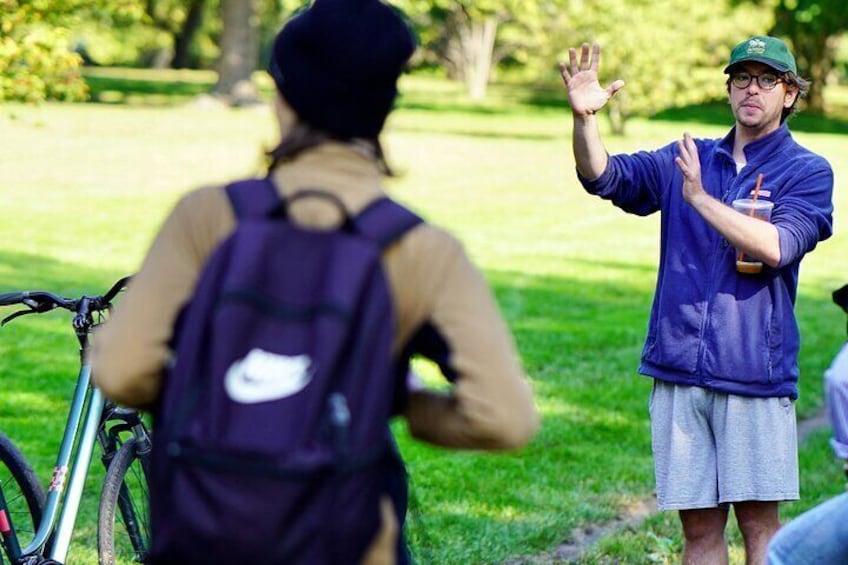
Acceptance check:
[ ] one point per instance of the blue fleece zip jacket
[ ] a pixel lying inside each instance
(711, 326)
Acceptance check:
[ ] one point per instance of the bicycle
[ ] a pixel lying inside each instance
(36, 527)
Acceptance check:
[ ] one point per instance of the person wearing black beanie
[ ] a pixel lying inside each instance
(336, 66)
(338, 62)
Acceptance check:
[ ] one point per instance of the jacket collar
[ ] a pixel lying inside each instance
(766, 145)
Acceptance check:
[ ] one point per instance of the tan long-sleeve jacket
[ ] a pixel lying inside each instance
(432, 281)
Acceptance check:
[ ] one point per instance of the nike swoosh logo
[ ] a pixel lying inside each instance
(263, 376)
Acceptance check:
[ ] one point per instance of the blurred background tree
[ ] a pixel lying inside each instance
(37, 59)
(180, 23)
(669, 52)
(676, 60)
(470, 39)
(814, 28)
(239, 51)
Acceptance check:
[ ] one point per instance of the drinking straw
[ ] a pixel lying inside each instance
(756, 191)
(754, 204)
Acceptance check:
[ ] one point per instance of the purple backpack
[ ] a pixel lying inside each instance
(272, 438)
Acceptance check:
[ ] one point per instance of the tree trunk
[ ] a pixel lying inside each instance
(239, 52)
(183, 38)
(819, 55)
(477, 39)
(815, 97)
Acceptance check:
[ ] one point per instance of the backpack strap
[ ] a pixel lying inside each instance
(384, 221)
(253, 198)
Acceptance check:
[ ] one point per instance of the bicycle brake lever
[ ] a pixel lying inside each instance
(35, 307)
(17, 314)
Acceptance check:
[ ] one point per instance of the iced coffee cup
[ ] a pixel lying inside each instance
(760, 209)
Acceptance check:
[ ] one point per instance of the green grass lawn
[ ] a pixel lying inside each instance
(85, 187)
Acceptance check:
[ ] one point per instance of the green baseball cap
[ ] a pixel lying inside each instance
(764, 49)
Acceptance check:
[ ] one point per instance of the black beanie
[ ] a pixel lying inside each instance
(337, 64)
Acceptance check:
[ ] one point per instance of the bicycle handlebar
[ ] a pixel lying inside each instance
(119, 285)
(41, 301)
(11, 298)
(32, 297)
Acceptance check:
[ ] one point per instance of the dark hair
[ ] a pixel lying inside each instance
(788, 78)
(803, 87)
(303, 136)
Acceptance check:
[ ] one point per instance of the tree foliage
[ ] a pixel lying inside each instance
(669, 52)
(43, 43)
(814, 28)
(165, 33)
(470, 38)
(36, 59)
(675, 60)
(194, 28)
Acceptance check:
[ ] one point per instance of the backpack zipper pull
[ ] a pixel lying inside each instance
(340, 420)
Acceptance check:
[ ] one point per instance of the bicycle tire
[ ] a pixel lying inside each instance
(23, 492)
(123, 523)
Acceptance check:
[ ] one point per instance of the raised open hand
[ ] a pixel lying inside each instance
(689, 163)
(585, 94)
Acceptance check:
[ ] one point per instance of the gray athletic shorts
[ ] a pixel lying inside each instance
(712, 449)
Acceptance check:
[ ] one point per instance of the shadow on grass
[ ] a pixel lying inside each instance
(151, 87)
(25, 271)
(154, 87)
(566, 328)
(116, 90)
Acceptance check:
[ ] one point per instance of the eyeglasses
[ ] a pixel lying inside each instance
(766, 81)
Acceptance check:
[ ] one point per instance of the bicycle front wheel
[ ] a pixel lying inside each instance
(123, 527)
(23, 493)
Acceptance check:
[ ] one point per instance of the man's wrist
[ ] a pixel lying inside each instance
(583, 117)
(700, 200)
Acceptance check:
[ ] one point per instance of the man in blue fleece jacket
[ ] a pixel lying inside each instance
(722, 346)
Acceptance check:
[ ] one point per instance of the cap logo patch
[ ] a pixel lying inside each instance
(756, 47)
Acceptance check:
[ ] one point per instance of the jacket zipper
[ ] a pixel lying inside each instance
(717, 252)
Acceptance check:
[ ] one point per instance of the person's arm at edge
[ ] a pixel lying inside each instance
(130, 351)
(490, 405)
